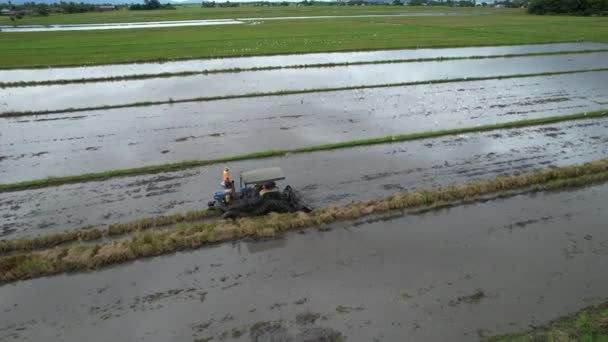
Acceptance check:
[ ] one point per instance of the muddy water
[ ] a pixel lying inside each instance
(322, 177)
(74, 143)
(59, 97)
(454, 275)
(283, 60)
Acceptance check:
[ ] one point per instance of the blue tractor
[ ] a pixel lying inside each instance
(257, 194)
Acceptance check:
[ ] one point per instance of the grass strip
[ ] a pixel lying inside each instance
(361, 49)
(196, 234)
(268, 68)
(589, 324)
(97, 176)
(292, 92)
(112, 230)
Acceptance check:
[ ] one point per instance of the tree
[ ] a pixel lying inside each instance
(557, 6)
(43, 10)
(397, 3)
(598, 6)
(152, 4)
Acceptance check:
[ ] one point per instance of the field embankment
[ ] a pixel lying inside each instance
(192, 235)
(588, 324)
(536, 266)
(411, 165)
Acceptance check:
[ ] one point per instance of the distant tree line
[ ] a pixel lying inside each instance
(42, 9)
(463, 3)
(442, 3)
(220, 4)
(580, 7)
(269, 3)
(150, 5)
(513, 3)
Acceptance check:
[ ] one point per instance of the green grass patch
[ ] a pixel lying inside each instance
(43, 49)
(191, 235)
(96, 233)
(291, 92)
(587, 325)
(88, 177)
(196, 12)
(303, 66)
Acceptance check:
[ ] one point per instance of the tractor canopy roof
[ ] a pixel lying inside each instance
(269, 174)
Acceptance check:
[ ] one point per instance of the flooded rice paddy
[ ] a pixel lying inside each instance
(81, 142)
(75, 73)
(338, 176)
(460, 273)
(455, 274)
(63, 97)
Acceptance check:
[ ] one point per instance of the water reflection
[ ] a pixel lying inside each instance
(283, 60)
(59, 97)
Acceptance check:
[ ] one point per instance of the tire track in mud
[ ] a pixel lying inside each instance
(337, 176)
(58, 145)
(418, 275)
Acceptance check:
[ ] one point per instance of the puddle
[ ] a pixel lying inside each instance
(132, 137)
(116, 26)
(341, 175)
(416, 275)
(59, 97)
(282, 60)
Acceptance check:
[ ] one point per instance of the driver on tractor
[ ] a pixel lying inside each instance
(226, 177)
(228, 191)
(228, 185)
